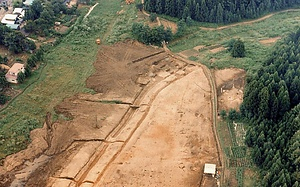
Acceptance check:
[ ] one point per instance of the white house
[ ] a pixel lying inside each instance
(9, 19)
(12, 74)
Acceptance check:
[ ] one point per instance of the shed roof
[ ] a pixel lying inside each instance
(10, 17)
(16, 68)
(210, 169)
(13, 26)
(17, 10)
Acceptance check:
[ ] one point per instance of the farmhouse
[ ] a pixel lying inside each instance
(210, 169)
(12, 74)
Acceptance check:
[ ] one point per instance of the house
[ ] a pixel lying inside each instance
(210, 169)
(20, 12)
(12, 74)
(9, 19)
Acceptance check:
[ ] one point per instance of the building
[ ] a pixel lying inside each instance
(12, 74)
(9, 19)
(20, 12)
(28, 2)
(210, 169)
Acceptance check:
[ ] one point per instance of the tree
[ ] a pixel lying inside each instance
(3, 99)
(238, 49)
(21, 77)
(223, 114)
(139, 6)
(153, 17)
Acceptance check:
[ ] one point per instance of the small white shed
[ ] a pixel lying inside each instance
(210, 169)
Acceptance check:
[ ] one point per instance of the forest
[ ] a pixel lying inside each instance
(271, 106)
(217, 11)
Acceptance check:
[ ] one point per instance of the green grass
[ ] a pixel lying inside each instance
(65, 70)
(278, 25)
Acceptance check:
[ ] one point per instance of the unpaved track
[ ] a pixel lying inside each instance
(247, 22)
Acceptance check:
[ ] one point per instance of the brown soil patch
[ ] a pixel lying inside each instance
(216, 50)
(169, 24)
(230, 87)
(269, 40)
(61, 29)
(149, 124)
(199, 47)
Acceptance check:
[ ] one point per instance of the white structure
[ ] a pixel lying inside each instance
(20, 12)
(210, 169)
(28, 2)
(9, 19)
(12, 74)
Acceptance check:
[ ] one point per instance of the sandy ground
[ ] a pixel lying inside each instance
(149, 124)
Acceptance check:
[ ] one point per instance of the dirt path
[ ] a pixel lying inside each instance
(90, 10)
(247, 22)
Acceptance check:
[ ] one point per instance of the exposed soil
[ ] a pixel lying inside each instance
(149, 124)
(216, 50)
(169, 24)
(269, 41)
(230, 87)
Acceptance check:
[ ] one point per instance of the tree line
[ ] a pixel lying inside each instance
(217, 11)
(271, 105)
(147, 35)
(40, 17)
(16, 42)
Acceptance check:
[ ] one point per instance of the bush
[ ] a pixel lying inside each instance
(153, 17)
(3, 99)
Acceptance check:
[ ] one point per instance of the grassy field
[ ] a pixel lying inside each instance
(276, 26)
(63, 72)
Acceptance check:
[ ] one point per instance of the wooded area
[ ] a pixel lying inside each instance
(216, 11)
(271, 104)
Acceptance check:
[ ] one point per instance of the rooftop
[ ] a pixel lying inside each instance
(210, 169)
(16, 68)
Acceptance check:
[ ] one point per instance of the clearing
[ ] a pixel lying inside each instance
(148, 124)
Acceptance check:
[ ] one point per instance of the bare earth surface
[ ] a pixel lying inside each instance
(149, 124)
(230, 87)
